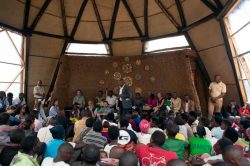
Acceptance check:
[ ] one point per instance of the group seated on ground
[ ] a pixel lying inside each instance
(156, 131)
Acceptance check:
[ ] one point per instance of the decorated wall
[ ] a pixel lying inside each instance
(167, 72)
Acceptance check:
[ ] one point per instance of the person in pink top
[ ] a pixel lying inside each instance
(152, 101)
(153, 154)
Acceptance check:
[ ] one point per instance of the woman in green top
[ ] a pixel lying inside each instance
(199, 144)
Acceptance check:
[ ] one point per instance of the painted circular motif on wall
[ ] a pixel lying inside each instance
(127, 68)
(152, 79)
(138, 90)
(117, 76)
(115, 64)
(126, 59)
(101, 82)
(106, 72)
(138, 62)
(128, 80)
(137, 77)
(146, 68)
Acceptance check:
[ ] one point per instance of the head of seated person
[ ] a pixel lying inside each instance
(172, 130)
(221, 144)
(89, 122)
(225, 124)
(234, 155)
(200, 131)
(91, 155)
(231, 134)
(128, 158)
(204, 121)
(176, 163)
(157, 139)
(216, 121)
(58, 132)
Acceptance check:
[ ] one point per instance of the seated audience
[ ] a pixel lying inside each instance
(138, 101)
(234, 156)
(189, 129)
(99, 98)
(160, 103)
(58, 134)
(30, 146)
(232, 109)
(103, 110)
(154, 125)
(187, 104)
(21, 113)
(84, 132)
(105, 128)
(176, 163)
(64, 154)
(5, 128)
(112, 149)
(79, 99)
(111, 119)
(173, 144)
(19, 101)
(3, 101)
(80, 124)
(95, 137)
(151, 101)
(143, 136)
(12, 147)
(182, 127)
(29, 126)
(153, 154)
(244, 111)
(199, 144)
(168, 101)
(91, 108)
(54, 109)
(111, 99)
(175, 102)
(63, 120)
(193, 120)
(128, 158)
(216, 131)
(10, 98)
(136, 118)
(44, 134)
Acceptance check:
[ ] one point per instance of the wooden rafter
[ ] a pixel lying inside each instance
(78, 18)
(98, 17)
(146, 18)
(112, 26)
(40, 14)
(211, 6)
(26, 14)
(218, 4)
(131, 15)
(168, 15)
(65, 30)
(181, 13)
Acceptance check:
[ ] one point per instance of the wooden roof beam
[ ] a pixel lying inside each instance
(26, 14)
(39, 15)
(146, 18)
(181, 13)
(131, 15)
(112, 26)
(65, 30)
(211, 6)
(168, 15)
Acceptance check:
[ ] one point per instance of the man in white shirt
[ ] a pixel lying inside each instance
(217, 90)
(65, 152)
(44, 134)
(38, 91)
(111, 99)
(19, 101)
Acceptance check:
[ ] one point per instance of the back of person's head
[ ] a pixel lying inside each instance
(172, 130)
(65, 151)
(58, 132)
(201, 132)
(89, 122)
(176, 162)
(205, 121)
(27, 124)
(113, 132)
(124, 122)
(4, 118)
(231, 134)
(223, 143)
(97, 126)
(91, 154)
(245, 123)
(185, 116)
(231, 154)
(16, 136)
(111, 116)
(144, 115)
(10, 95)
(225, 124)
(179, 121)
(105, 124)
(158, 138)
(144, 126)
(29, 144)
(193, 114)
(128, 158)
(154, 121)
(53, 121)
(217, 120)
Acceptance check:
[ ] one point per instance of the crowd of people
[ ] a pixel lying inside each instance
(124, 130)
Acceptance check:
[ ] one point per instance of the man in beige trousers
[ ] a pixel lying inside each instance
(217, 90)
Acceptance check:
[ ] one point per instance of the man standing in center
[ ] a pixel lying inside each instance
(217, 90)
(125, 97)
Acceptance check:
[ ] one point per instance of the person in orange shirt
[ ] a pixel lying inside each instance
(217, 90)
